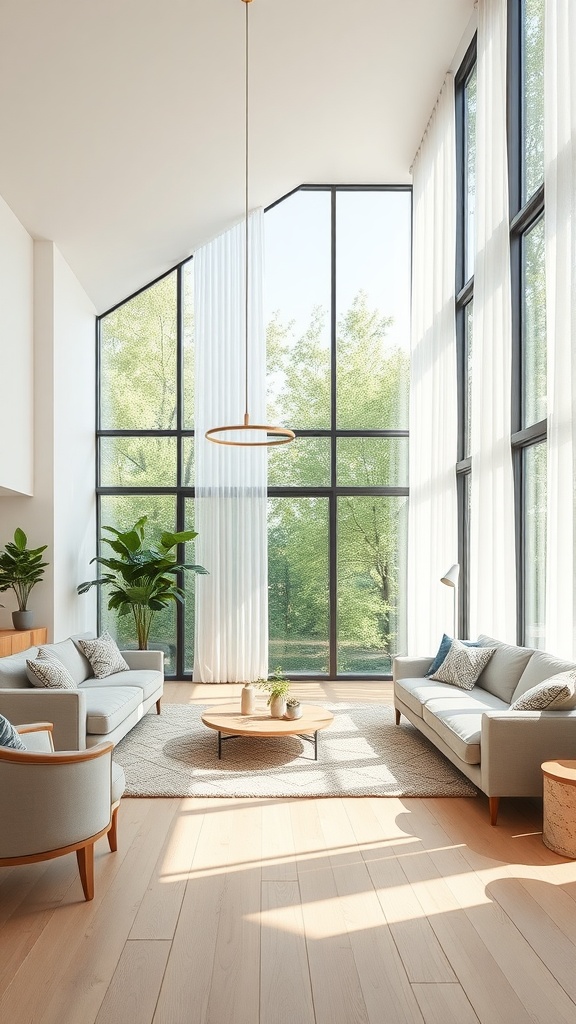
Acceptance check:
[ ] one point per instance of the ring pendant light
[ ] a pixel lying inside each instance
(270, 435)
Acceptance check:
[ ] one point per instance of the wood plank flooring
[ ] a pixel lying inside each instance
(313, 911)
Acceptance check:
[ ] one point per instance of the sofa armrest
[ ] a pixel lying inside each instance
(145, 659)
(514, 744)
(66, 709)
(404, 667)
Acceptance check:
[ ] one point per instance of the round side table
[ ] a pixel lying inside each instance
(559, 832)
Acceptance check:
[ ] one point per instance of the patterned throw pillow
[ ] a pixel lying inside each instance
(462, 665)
(443, 651)
(104, 656)
(48, 671)
(554, 694)
(8, 735)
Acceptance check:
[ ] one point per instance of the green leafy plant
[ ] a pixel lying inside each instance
(141, 580)
(276, 685)
(21, 568)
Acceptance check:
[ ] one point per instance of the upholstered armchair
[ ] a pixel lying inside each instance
(57, 802)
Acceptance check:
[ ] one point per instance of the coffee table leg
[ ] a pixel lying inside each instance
(316, 745)
(219, 746)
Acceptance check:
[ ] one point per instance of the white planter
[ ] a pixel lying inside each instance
(292, 713)
(277, 707)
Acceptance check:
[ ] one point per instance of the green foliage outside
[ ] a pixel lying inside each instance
(139, 380)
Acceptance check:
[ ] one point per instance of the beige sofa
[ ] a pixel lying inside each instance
(98, 710)
(500, 751)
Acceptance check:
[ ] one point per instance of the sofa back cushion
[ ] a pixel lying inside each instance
(540, 667)
(504, 669)
(72, 658)
(13, 673)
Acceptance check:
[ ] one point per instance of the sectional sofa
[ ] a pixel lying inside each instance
(499, 750)
(97, 710)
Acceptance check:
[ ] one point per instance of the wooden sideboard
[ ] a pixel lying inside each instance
(12, 641)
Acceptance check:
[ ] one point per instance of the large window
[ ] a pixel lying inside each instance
(337, 295)
(526, 174)
(338, 303)
(466, 182)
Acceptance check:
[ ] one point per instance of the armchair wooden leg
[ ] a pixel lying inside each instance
(85, 858)
(493, 801)
(113, 831)
(158, 709)
(397, 713)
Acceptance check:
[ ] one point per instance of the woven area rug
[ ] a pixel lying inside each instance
(362, 753)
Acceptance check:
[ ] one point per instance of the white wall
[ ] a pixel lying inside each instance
(16, 346)
(60, 416)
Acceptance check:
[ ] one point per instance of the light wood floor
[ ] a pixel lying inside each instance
(314, 911)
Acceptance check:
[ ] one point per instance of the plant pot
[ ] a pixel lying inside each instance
(277, 707)
(23, 620)
(292, 713)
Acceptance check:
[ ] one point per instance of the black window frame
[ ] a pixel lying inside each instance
(181, 492)
(464, 291)
(523, 217)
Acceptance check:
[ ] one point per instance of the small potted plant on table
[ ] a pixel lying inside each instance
(278, 689)
(293, 709)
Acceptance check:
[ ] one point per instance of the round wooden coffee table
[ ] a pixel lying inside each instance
(230, 724)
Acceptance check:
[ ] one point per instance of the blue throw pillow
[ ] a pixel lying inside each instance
(445, 644)
(8, 735)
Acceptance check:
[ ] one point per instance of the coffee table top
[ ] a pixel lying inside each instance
(227, 718)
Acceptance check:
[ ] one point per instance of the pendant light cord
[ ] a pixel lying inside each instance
(246, 295)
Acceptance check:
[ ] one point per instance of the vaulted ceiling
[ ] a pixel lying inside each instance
(122, 121)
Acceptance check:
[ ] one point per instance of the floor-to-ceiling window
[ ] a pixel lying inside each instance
(337, 295)
(465, 98)
(529, 427)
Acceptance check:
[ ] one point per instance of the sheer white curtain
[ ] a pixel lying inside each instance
(231, 627)
(432, 521)
(560, 233)
(492, 542)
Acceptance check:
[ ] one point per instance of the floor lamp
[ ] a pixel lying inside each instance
(450, 578)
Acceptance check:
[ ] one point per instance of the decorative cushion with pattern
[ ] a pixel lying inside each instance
(443, 651)
(48, 671)
(8, 735)
(104, 656)
(554, 694)
(462, 665)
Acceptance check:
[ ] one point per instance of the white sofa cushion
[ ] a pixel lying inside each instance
(540, 667)
(72, 658)
(104, 655)
(459, 722)
(147, 679)
(416, 692)
(13, 674)
(108, 706)
(504, 669)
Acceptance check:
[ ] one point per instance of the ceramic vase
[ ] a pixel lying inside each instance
(277, 707)
(248, 700)
(292, 713)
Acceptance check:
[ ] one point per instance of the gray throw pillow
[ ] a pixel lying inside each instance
(462, 665)
(48, 671)
(104, 656)
(8, 735)
(555, 694)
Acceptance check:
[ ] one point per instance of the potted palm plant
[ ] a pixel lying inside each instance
(142, 580)
(21, 568)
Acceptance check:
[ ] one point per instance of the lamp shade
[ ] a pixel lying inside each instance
(450, 578)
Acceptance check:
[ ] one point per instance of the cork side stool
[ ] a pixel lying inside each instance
(559, 831)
